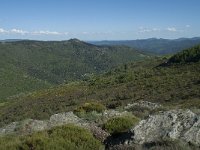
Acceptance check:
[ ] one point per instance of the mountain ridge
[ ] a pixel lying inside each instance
(155, 45)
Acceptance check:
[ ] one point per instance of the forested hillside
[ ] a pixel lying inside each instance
(32, 65)
(186, 56)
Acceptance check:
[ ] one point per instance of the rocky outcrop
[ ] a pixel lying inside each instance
(175, 125)
(183, 125)
(63, 118)
(29, 126)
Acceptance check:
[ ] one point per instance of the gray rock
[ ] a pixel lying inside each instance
(9, 129)
(63, 118)
(193, 134)
(29, 125)
(174, 124)
(144, 104)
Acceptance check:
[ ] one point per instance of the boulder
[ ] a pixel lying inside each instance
(174, 125)
(63, 118)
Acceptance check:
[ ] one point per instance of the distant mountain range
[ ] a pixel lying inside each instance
(13, 40)
(154, 45)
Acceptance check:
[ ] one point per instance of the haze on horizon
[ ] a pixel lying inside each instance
(99, 19)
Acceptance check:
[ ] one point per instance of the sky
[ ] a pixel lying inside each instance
(99, 19)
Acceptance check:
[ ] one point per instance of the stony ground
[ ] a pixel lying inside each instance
(174, 125)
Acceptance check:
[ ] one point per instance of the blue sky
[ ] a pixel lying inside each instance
(99, 19)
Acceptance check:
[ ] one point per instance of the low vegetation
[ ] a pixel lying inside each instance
(186, 56)
(173, 86)
(67, 137)
(89, 107)
(120, 124)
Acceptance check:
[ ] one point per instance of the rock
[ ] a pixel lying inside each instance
(98, 132)
(29, 125)
(174, 124)
(9, 129)
(63, 118)
(193, 134)
(144, 104)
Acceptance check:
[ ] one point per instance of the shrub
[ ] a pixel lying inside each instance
(120, 124)
(89, 107)
(59, 138)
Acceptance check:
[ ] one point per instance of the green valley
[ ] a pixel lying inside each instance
(31, 65)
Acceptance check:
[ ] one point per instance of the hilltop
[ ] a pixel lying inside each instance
(186, 56)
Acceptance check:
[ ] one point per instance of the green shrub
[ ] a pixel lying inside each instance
(59, 138)
(89, 107)
(120, 124)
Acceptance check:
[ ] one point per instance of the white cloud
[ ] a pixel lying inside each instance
(171, 29)
(188, 26)
(23, 32)
(3, 31)
(155, 29)
(85, 32)
(18, 31)
(66, 33)
(46, 33)
(52, 33)
(13, 31)
(146, 30)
